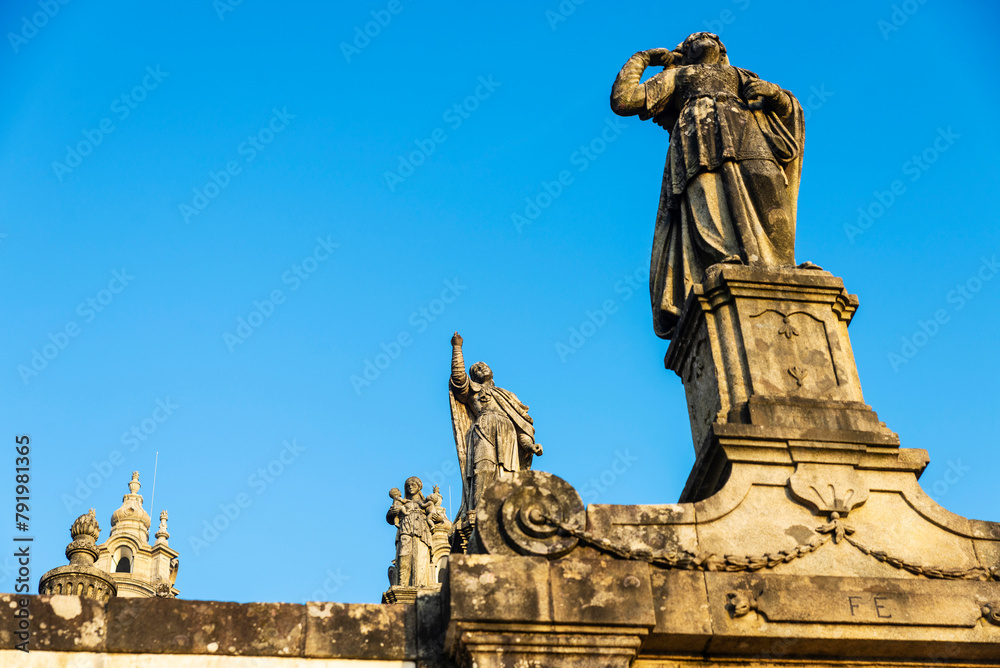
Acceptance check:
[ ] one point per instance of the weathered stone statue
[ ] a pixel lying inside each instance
(422, 542)
(731, 179)
(413, 535)
(494, 435)
(435, 511)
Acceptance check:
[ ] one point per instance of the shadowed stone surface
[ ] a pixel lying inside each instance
(683, 623)
(213, 628)
(58, 623)
(361, 631)
(601, 592)
(205, 627)
(482, 591)
(432, 622)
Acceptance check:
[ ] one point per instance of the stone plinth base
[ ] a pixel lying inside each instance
(769, 348)
(402, 594)
(79, 580)
(526, 611)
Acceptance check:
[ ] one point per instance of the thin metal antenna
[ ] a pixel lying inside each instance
(152, 497)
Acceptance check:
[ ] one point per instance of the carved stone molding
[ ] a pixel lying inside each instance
(519, 516)
(835, 530)
(826, 488)
(848, 602)
(544, 646)
(740, 603)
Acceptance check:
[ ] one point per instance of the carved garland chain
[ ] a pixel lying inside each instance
(836, 529)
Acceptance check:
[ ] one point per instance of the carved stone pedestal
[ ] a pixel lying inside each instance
(527, 612)
(765, 354)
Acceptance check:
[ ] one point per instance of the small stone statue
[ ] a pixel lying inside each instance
(731, 181)
(413, 535)
(435, 511)
(494, 435)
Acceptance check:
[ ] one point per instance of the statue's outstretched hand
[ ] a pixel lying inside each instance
(456, 340)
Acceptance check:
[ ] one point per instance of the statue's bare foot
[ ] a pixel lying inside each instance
(731, 259)
(810, 265)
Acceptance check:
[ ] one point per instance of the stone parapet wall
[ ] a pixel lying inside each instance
(515, 612)
(174, 632)
(16, 659)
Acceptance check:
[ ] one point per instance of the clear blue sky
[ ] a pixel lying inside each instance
(300, 134)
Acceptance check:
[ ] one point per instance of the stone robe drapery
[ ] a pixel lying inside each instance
(488, 442)
(492, 453)
(730, 183)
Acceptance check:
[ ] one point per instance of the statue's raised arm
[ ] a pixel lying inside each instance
(459, 379)
(731, 180)
(629, 94)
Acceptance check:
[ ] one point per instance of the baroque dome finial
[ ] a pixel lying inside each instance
(131, 508)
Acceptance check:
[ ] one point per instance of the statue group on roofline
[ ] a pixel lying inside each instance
(729, 194)
(494, 439)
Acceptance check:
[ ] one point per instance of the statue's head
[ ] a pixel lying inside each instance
(705, 48)
(413, 486)
(395, 494)
(480, 373)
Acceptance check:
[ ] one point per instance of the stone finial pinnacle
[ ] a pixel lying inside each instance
(162, 535)
(85, 532)
(131, 509)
